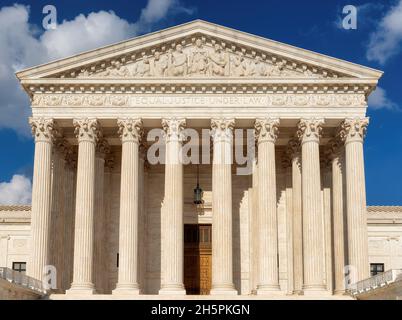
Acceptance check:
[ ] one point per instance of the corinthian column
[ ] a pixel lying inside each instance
(42, 129)
(309, 132)
(87, 132)
(222, 238)
(338, 215)
(102, 148)
(130, 131)
(172, 261)
(352, 132)
(266, 131)
(293, 151)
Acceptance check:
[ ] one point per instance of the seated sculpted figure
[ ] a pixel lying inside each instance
(178, 62)
(199, 59)
(143, 68)
(116, 70)
(238, 67)
(258, 68)
(218, 61)
(160, 64)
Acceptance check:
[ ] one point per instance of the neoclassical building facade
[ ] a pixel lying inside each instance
(112, 220)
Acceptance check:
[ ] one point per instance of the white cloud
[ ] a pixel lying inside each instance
(17, 191)
(21, 48)
(379, 100)
(386, 41)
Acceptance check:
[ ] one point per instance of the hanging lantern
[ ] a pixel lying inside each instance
(198, 194)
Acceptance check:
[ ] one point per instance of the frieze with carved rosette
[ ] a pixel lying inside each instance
(130, 129)
(173, 129)
(353, 129)
(266, 129)
(260, 99)
(309, 129)
(87, 129)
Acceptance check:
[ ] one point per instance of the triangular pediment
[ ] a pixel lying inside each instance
(199, 49)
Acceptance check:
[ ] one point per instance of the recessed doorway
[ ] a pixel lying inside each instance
(197, 258)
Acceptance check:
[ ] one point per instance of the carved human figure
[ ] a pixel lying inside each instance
(218, 61)
(119, 70)
(160, 64)
(258, 68)
(116, 70)
(238, 65)
(178, 62)
(199, 59)
(275, 70)
(143, 68)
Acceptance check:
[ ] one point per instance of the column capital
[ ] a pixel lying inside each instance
(353, 129)
(43, 129)
(102, 148)
(64, 147)
(130, 129)
(333, 149)
(222, 129)
(310, 129)
(266, 129)
(173, 128)
(293, 147)
(71, 159)
(87, 129)
(109, 162)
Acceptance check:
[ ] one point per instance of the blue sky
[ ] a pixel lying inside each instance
(309, 24)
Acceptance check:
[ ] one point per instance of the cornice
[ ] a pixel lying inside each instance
(26, 208)
(219, 33)
(231, 85)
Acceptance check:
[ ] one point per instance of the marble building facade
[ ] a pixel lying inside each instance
(113, 222)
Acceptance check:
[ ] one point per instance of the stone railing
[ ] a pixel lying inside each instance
(377, 281)
(22, 280)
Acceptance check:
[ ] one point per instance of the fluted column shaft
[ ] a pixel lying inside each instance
(42, 130)
(297, 223)
(222, 238)
(102, 148)
(87, 134)
(130, 131)
(309, 131)
(293, 154)
(338, 225)
(68, 228)
(353, 132)
(172, 262)
(266, 135)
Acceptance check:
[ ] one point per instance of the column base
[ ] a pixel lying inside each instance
(223, 290)
(81, 289)
(269, 290)
(173, 290)
(126, 289)
(319, 290)
(340, 293)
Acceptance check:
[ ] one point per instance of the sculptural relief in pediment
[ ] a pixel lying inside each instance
(200, 57)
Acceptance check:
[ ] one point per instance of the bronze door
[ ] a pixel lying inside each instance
(197, 258)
